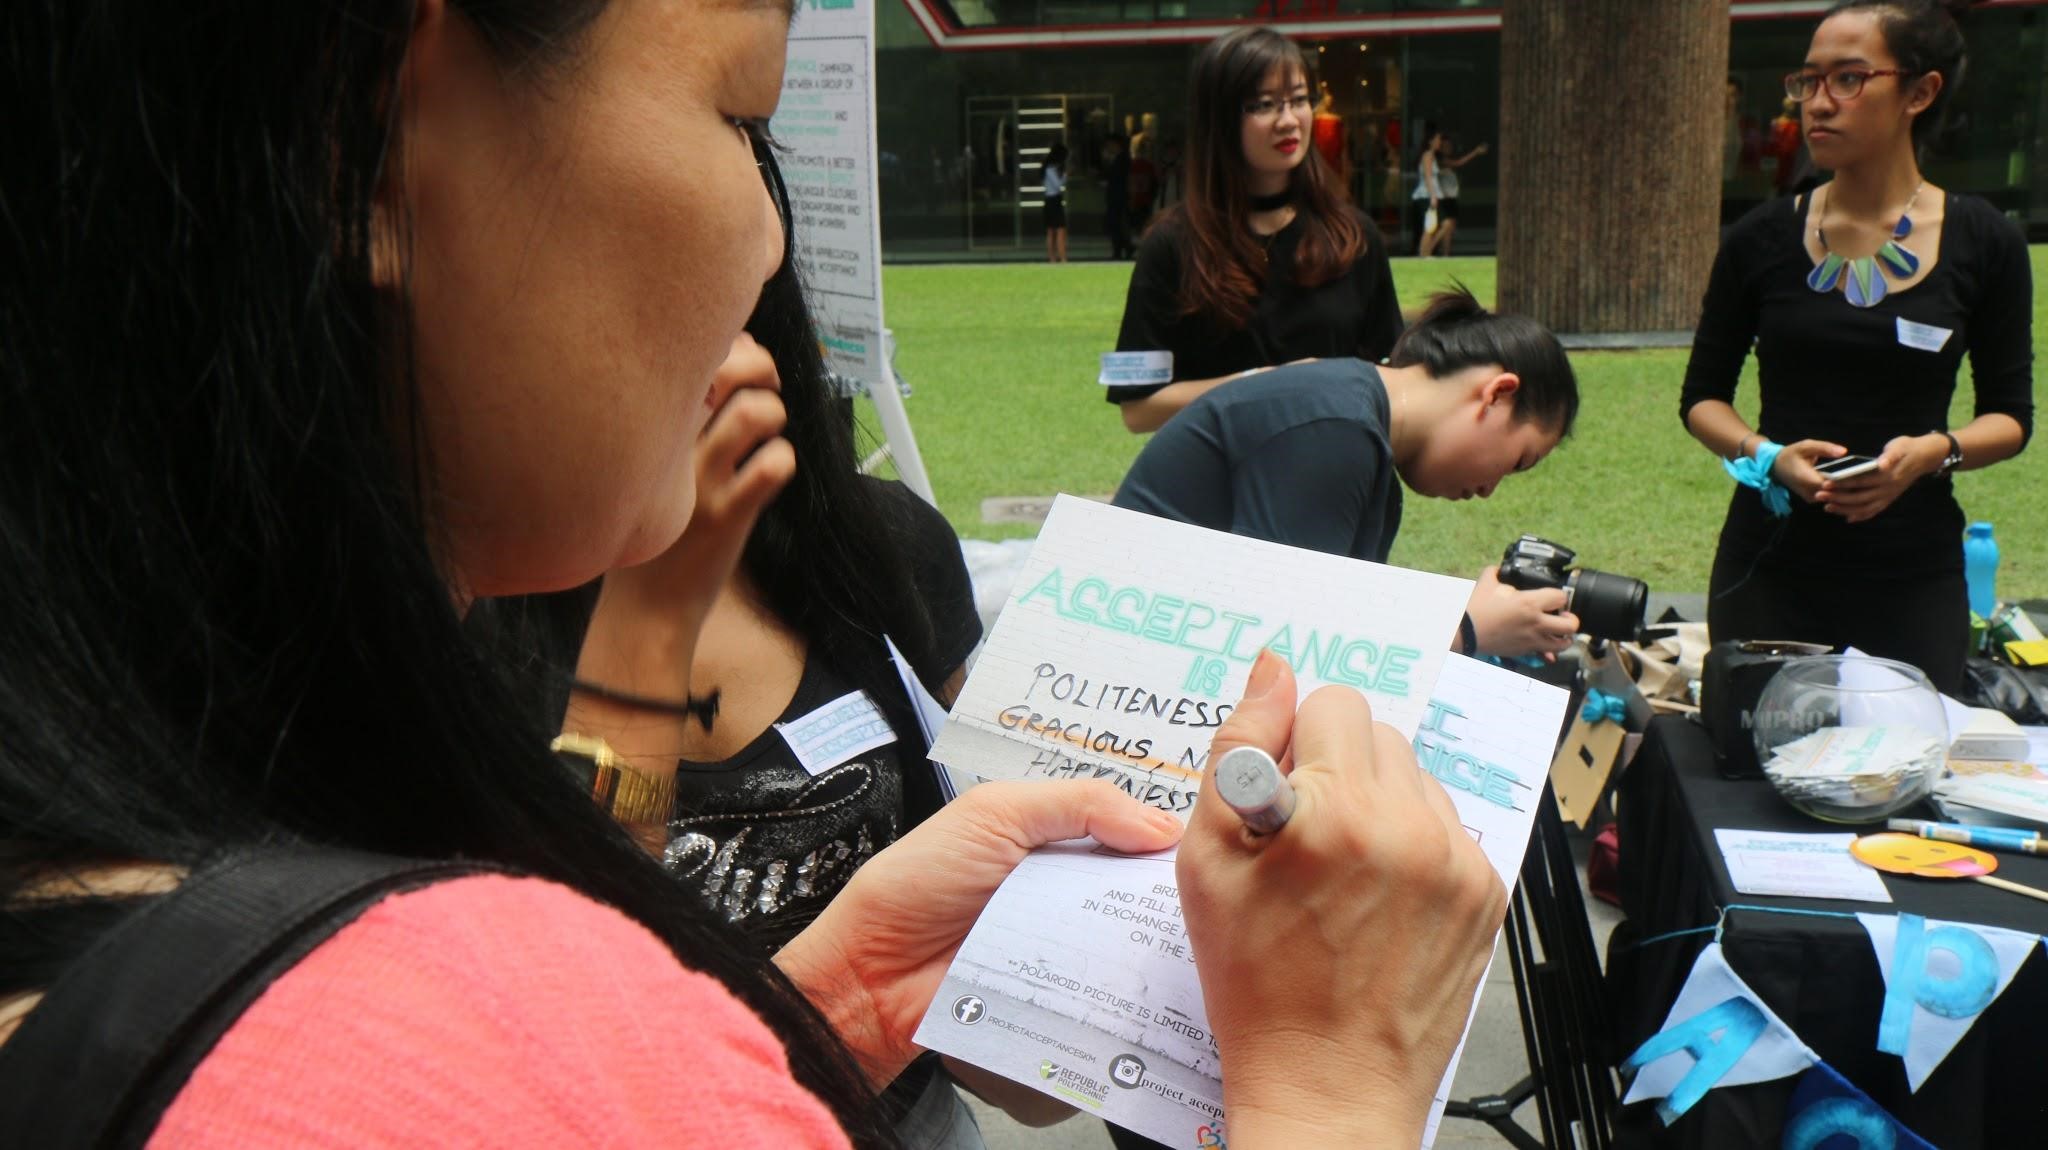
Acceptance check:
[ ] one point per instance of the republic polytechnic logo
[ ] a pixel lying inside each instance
(969, 1009)
(1073, 1085)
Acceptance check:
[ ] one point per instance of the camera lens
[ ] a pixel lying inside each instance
(1609, 606)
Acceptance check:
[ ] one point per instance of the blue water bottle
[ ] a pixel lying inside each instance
(1980, 569)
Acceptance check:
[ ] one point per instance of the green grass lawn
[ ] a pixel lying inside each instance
(1002, 359)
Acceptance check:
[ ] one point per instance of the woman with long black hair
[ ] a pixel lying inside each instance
(1265, 261)
(1862, 298)
(323, 321)
(841, 574)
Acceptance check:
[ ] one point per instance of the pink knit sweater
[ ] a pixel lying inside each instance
(499, 1012)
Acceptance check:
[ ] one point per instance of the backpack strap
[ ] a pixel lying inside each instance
(100, 1058)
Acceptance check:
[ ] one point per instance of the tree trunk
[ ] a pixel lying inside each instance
(1611, 124)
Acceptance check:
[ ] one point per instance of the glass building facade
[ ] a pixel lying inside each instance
(971, 94)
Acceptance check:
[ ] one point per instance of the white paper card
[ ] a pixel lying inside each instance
(1923, 336)
(1078, 980)
(1798, 865)
(931, 715)
(1127, 640)
(1136, 368)
(1776, 1053)
(836, 732)
(1487, 737)
(2022, 799)
(1933, 1035)
(2037, 745)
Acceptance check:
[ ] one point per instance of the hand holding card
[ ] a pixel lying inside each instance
(873, 959)
(1327, 1006)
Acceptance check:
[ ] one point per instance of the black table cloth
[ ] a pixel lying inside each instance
(1818, 972)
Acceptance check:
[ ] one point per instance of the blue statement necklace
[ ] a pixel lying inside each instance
(1862, 279)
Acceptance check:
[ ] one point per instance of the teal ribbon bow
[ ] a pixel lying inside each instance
(1602, 706)
(1755, 471)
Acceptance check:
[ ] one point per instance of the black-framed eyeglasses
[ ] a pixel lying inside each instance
(771, 174)
(1841, 83)
(1267, 107)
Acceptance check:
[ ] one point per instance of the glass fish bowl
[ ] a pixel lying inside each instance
(1850, 738)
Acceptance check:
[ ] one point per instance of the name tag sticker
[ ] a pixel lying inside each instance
(1924, 336)
(1136, 368)
(834, 733)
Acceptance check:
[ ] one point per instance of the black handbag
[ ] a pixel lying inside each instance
(2020, 692)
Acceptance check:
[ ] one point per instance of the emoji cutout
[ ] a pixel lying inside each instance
(1929, 858)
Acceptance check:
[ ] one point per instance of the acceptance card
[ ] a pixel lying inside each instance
(1127, 640)
(1078, 980)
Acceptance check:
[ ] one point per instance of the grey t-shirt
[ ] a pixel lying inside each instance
(1296, 455)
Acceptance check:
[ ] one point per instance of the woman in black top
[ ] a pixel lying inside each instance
(1265, 262)
(1862, 300)
(790, 731)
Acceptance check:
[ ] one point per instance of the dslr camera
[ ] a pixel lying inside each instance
(1609, 606)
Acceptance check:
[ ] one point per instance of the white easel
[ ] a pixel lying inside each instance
(828, 119)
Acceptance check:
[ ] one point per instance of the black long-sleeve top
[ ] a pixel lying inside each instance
(1863, 376)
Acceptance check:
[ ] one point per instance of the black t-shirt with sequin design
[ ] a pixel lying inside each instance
(768, 843)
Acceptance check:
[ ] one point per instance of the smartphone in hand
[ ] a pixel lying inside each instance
(1846, 466)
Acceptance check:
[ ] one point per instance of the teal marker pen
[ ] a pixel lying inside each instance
(1983, 838)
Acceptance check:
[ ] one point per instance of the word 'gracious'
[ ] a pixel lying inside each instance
(1208, 629)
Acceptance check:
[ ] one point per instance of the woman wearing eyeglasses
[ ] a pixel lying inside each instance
(1264, 262)
(1862, 299)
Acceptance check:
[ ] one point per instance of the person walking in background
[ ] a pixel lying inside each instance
(1447, 207)
(1055, 173)
(1423, 201)
(1116, 196)
(1862, 298)
(1435, 217)
(1265, 261)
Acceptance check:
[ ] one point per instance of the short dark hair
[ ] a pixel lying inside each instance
(1455, 332)
(1924, 38)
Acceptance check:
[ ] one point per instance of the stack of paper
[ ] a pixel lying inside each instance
(1983, 733)
(1852, 767)
(1995, 799)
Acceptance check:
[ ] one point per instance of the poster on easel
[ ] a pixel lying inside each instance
(826, 124)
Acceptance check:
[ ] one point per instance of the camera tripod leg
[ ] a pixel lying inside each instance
(1498, 1111)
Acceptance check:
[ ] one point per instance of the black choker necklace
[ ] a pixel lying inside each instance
(1272, 203)
(703, 708)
